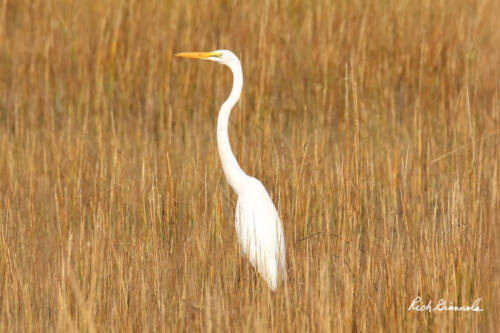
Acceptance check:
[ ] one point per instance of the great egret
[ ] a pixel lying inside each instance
(258, 226)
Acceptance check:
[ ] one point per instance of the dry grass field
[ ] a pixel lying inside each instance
(374, 125)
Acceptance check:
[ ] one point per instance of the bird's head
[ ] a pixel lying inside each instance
(224, 57)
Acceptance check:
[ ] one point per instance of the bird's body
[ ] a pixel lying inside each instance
(259, 230)
(258, 226)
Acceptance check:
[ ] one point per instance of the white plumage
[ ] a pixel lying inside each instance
(258, 226)
(259, 231)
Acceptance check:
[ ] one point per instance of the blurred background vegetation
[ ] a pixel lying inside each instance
(373, 124)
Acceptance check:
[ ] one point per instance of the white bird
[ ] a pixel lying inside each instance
(258, 226)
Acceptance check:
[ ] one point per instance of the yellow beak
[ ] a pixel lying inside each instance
(198, 55)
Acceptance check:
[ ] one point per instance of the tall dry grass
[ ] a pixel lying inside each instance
(373, 124)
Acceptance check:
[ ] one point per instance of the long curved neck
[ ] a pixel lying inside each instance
(234, 174)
